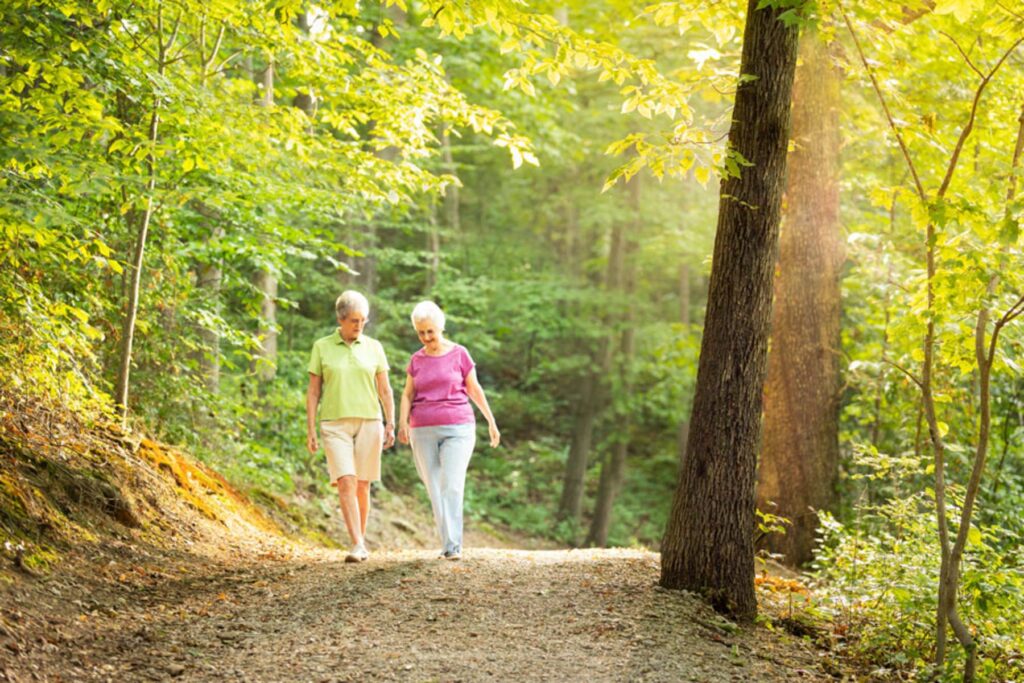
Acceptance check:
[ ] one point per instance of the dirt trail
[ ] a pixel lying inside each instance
(123, 559)
(498, 615)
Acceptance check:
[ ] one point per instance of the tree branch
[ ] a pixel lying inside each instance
(906, 372)
(224, 63)
(963, 54)
(1009, 11)
(954, 160)
(1013, 312)
(1018, 150)
(136, 44)
(174, 35)
(885, 105)
(207, 63)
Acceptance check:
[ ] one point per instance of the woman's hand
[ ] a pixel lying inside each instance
(312, 445)
(389, 435)
(492, 428)
(403, 434)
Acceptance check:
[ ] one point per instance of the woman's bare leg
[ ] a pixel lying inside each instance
(363, 496)
(350, 508)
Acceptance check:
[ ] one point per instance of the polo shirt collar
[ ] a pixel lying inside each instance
(341, 340)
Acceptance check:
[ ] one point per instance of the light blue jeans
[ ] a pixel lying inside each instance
(442, 456)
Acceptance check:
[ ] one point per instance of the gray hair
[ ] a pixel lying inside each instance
(428, 310)
(349, 301)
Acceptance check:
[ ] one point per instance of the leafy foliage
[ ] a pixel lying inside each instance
(346, 146)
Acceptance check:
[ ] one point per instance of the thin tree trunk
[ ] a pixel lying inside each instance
(453, 219)
(799, 466)
(209, 275)
(709, 542)
(613, 468)
(266, 357)
(266, 283)
(369, 270)
(685, 297)
(876, 428)
(132, 304)
(433, 250)
(1011, 192)
(591, 399)
(1006, 444)
(985, 356)
(570, 507)
(946, 612)
(571, 237)
(946, 604)
(208, 280)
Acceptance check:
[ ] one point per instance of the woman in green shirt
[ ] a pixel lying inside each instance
(348, 381)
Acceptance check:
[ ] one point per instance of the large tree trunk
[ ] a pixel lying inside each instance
(685, 297)
(799, 464)
(709, 542)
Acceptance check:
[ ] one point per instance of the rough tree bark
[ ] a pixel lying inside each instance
(799, 464)
(709, 541)
(685, 297)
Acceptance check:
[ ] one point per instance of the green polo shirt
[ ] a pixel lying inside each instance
(349, 386)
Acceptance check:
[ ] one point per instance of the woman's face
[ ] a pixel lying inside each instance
(352, 325)
(429, 333)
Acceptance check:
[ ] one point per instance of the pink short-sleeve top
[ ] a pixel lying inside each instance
(439, 386)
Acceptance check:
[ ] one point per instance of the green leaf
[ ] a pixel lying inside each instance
(1009, 231)
(702, 174)
(963, 10)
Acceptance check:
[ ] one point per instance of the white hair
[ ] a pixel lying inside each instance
(428, 310)
(351, 300)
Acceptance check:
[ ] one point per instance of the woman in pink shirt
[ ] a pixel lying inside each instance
(437, 419)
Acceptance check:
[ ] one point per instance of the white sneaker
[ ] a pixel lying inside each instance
(357, 554)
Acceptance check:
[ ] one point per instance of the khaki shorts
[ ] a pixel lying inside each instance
(353, 447)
